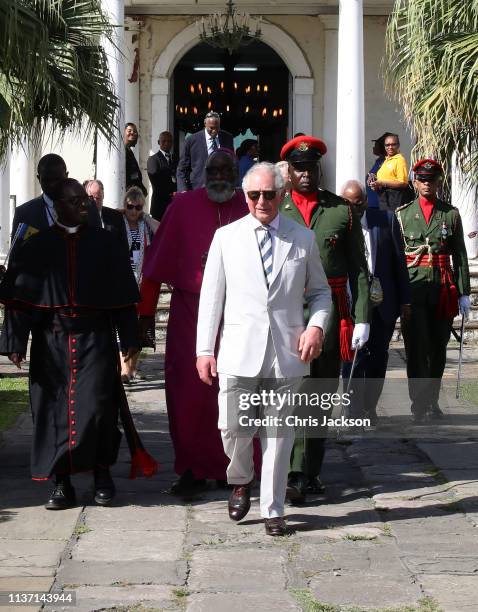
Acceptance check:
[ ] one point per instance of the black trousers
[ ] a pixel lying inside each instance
(426, 339)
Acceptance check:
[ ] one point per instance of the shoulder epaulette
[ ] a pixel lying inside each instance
(403, 206)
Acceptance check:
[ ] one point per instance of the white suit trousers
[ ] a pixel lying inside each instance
(276, 442)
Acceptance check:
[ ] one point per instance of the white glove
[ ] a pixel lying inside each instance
(464, 305)
(360, 335)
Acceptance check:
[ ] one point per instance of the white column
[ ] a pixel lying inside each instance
(23, 171)
(5, 220)
(329, 130)
(464, 197)
(302, 104)
(110, 161)
(350, 94)
(159, 110)
(131, 69)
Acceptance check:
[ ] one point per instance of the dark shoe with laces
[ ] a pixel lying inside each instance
(314, 485)
(435, 413)
(240, 501)
(419, 418)
(62, 497)
(275, 526)
(105, 489)
(296, 487)
(187, 485)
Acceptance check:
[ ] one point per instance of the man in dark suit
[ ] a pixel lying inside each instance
(39, 212)
(133, 176)
(197, 149)
(162, 174)
(389, 297)
(111, 219)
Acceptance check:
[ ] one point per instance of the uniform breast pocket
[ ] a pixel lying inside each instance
(413, 238)
(331, 240)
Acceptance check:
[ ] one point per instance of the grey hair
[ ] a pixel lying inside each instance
(263, 167)
(212, 115)
(134, 194)
(353, 184)
(93, 181)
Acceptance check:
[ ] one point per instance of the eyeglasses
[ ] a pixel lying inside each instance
(391, 144)
(136, 207)
(268, 194)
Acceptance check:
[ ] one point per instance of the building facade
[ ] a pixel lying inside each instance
(317, 69)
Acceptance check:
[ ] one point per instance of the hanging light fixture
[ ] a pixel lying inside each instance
(229, 30)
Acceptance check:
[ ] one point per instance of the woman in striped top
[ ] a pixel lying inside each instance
(140, 228)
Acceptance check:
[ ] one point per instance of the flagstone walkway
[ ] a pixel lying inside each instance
(395, 530)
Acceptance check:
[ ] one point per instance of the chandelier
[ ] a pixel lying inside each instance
(229, 30)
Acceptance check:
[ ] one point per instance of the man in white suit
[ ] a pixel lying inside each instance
(259, 270)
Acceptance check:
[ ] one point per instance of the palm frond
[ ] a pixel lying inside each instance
(53, 70)
(432, 71)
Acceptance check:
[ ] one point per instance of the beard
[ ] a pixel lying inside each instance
(220, 191)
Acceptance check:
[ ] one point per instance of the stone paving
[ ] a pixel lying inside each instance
(395, 529)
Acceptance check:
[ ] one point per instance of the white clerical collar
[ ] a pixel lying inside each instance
(68, 229)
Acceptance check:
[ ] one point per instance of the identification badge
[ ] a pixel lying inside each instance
(376, 291)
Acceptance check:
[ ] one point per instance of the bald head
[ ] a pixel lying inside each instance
(354, 192)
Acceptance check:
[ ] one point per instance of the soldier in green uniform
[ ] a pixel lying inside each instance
(433, 236)
(339, 237)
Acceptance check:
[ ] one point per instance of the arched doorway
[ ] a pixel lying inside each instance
(300, 95)
(249, 89)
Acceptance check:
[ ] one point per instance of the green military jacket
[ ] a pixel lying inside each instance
(442, 236)
(339, 236)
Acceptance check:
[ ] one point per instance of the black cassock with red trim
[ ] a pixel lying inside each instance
(72, 291)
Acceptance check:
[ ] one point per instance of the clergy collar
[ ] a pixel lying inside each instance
(68, 229)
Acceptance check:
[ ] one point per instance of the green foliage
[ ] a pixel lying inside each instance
(13, 400)
(53, 70)
(432, 71)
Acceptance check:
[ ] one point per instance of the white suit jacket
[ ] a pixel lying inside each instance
(234, 290)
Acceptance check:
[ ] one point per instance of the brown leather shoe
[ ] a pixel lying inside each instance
(240, 501)
(275, 526)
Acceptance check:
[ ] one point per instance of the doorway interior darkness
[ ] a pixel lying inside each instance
(249, 89)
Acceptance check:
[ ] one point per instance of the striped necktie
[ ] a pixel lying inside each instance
(265, 247)
(213, 144)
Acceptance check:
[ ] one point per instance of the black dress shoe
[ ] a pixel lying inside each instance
(240, 501)
(105, 489)
(296, 487)
(314, 485)
(187, 485)
(62, 497)
(435, 412)
(275, 526)
(373, 418)
(419, 418)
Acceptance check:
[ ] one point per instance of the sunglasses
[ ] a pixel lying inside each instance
(269, 194)
(136, 207)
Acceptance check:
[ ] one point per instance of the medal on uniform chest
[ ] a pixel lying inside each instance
(417, 216)
(444, 230)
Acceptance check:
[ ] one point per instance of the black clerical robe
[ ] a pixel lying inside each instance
(71, 291)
